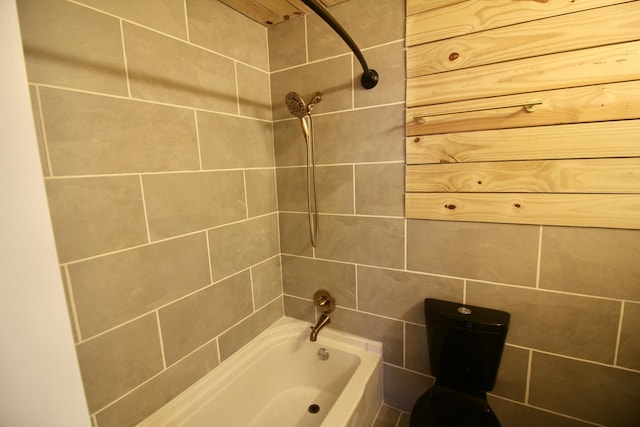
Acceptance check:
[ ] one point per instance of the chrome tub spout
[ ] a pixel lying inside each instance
(323, 321)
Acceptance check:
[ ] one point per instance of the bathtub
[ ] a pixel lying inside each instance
(280, 380)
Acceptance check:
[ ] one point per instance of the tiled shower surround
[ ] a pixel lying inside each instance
(176, 183)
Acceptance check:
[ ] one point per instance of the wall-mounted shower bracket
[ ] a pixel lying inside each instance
(325, 302)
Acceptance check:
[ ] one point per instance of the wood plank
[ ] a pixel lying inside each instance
(612, 176)
(332, 2)
(557, 34)
(605, 64)
(584, 210)
(479, 15)
(254, 11)
(580, 141)
(417, 6)
(616, 101)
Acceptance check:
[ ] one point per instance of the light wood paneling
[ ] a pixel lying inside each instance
(584, 210)
(616, 101)
(475, 153)
(471, 16)
(541, 176)
(269, 12)
(605, 64)
(556, 34)
(583, 141)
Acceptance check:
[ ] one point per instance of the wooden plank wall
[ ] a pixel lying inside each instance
(270, 12)
(524, 112)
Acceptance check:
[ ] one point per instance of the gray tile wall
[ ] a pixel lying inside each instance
(157, 152)
(157, 138)
(572, 292)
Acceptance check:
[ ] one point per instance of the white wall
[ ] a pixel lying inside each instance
(40, 381)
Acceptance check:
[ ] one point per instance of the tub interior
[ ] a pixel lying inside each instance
(279, 380)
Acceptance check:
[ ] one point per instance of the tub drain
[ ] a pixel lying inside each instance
(314, 409)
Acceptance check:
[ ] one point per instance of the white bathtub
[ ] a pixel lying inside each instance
(273, 381)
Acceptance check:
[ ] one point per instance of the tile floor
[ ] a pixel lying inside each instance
(391, 417)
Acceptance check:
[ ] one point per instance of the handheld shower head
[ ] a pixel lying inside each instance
(296, 105)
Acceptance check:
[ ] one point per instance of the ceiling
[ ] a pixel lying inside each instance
(270, 12)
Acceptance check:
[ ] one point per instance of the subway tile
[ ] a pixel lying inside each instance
(261, 191)
(167, 70)
(572, 325)
(228, 142)
(151, 396)
(116, 362)
(302, 277)
(369, 135)
(513, 414)
(287, 44)
(42, 149)
(334, 185)
(363, 22)
(593, 261)
(166, 16)
(239, 335)
(363, 240)
(92, 216)
(389, 62)
(388, 331)
(238, 246)
(331, 77)
(292, 189)
(299, 309)
(180, 203)
(294, 234)
(494, 252)
(266, 279)
(290, 147)
(402, 388)
(335, 189)
(213, 24)
(113, 289)
(254, 94)
(416, 348)
(192, 321)
(629, 352)
(72, 46)
(90, 134)
(377, 287)
(376, 196)
(603, 395)
(512, 375)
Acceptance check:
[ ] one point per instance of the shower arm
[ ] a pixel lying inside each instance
(369, 77)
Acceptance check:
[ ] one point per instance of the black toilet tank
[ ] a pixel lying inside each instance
(465, 343)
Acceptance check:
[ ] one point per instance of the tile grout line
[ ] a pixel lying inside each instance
(195, 118)
(43, 130)
(124, 58)
(619, 335)
(186, 21)
(144, 210)
(72, 301)
(528, 380)
(162, 351)
(539, 260)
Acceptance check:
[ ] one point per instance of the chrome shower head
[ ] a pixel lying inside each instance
(296, 105)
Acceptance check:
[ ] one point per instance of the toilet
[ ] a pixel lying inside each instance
(465, 346)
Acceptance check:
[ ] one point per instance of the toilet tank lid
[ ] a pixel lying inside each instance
(465, 315)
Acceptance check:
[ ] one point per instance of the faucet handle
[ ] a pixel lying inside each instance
(325, 302)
